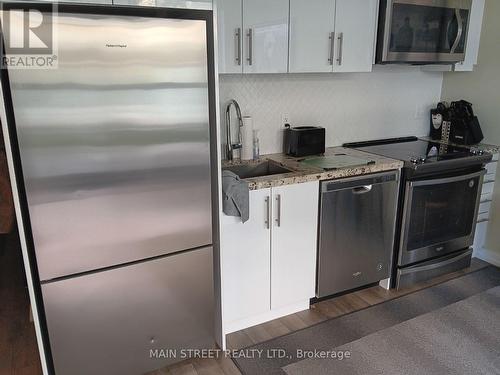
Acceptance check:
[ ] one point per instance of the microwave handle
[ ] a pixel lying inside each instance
(459, 32)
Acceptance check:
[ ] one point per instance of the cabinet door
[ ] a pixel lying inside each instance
(230, 35)
(311, 31)
(265, 24)
(246, 260)
(294, 243)
(355, 24)
(473, 37)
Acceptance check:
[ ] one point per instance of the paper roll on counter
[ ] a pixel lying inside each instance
(247, 138)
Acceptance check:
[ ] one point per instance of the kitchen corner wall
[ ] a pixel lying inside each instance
(391, 101)
(482, 88)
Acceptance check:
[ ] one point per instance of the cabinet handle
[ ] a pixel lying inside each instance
(332, 48)
(250, 46)
(238, 46)
(341, 45)
(268, 213)
(278, 204)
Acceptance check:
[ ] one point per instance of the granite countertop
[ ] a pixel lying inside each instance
(480, 146)
(306, 173)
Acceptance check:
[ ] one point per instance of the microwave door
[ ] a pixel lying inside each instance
(422, 31)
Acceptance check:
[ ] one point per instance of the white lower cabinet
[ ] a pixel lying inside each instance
(269, 262)
(483, 217)
(246, 264)
(294, 243)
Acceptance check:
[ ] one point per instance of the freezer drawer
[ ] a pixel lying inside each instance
(356, 236)
(107, 322)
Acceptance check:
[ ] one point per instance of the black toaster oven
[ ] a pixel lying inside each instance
(304, 141)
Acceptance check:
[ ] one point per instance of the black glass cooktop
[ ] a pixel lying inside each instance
(417, 151)
(425, 157)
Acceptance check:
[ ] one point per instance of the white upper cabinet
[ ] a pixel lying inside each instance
(473, 37)
(296, 36)
(230, 35)
(355, 25)
(252, 36)
(332, 35)
(311, 31)
(265, 27)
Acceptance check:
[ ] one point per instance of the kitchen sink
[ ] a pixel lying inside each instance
(265, 168)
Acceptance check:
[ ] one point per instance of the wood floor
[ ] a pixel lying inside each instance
(319, 312)
(19, 354)
(18, 347)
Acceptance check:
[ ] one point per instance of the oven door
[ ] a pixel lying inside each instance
(424, 31)
(439, 216)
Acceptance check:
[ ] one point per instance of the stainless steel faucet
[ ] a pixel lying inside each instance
(230, 146)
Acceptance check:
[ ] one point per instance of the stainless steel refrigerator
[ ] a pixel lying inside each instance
(113, 147)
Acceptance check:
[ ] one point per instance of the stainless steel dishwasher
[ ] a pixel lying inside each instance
(356, 231)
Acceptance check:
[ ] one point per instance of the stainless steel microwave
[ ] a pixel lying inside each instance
(423, 31)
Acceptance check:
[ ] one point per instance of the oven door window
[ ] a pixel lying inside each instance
(428, 29)
(441, 212)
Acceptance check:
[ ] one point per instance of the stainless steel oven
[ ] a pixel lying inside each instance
(439, 216)
(423, 31)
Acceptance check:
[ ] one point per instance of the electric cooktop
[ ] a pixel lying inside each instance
(424, 155)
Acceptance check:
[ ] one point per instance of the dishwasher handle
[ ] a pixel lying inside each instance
(362, 189)
(360, 184)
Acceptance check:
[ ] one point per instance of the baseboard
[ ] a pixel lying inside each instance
(266, 317)
(490, 256)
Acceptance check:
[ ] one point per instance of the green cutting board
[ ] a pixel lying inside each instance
(336, 161)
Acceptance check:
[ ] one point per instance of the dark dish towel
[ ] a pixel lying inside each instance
(235, 196)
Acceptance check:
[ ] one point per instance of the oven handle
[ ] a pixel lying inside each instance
(441, 181)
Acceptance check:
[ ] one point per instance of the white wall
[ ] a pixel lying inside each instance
(352, 107)
(482, 88)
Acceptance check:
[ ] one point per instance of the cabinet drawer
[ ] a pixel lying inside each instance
(107, 322)
(484, 207)
(483, 217)
(491, 168)
(488, 187)
(486, 197)
(480, 237)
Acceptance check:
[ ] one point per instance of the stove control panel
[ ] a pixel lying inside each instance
(418, 160)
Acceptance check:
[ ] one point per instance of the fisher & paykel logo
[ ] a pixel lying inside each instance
(29, 37)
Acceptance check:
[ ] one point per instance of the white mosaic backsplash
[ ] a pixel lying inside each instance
(352, 107)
